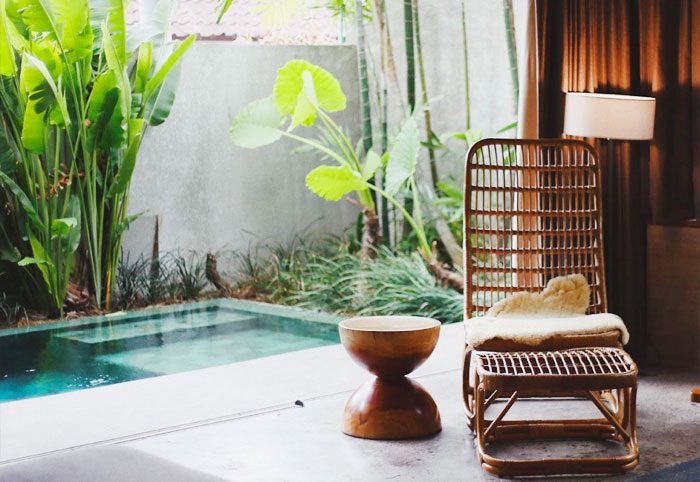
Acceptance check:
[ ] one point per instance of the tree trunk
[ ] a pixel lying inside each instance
(371, 234)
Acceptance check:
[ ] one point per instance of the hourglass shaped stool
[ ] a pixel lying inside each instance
(390, 406)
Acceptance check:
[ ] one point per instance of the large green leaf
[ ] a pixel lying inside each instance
(144, 62)
(290, 83)
(72, 17)
(158, 78)
(258, 124)
(32, 79)
(33, 128)
(62, 227)
(107, 122)
(58, 96)
(38, 17)
(7, 58)
(403, 157)
(332, 183)
(117, 66)
(159, 105)
(307, 103)
(126, 169)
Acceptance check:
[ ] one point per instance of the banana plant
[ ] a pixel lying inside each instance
(77, 94)
(304, 93)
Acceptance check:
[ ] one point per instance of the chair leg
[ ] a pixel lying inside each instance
(612, 427)
(467, 388)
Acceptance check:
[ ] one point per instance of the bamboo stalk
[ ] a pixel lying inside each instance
(512, 52)
(424, 90)
(466, 67)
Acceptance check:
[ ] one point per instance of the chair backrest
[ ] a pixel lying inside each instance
(532, 211)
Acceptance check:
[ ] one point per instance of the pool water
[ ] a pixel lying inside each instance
(64, 357)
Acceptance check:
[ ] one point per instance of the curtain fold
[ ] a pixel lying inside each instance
(636, 47)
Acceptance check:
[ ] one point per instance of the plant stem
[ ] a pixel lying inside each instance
(420, 233)
(466, 66)
(426, 111)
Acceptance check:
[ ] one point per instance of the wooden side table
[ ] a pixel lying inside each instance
(390, 406)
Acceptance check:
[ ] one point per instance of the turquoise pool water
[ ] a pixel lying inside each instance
(67, 356)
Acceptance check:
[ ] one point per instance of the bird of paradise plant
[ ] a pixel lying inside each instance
(77, 93)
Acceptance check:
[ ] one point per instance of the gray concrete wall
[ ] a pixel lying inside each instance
(211, 194)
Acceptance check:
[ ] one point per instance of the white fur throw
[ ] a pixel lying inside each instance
(533, 317)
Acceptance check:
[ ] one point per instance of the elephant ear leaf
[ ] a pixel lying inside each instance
(289, 85)
(333, 182)
(257, 125)
(372, 163)
(403, 156)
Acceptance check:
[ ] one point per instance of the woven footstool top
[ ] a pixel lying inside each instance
(576, 369)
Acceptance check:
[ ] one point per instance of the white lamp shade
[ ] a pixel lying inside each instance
(609, 116)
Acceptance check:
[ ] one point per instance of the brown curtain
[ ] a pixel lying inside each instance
(633, 47)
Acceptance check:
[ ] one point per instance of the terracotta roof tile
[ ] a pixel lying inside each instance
(241, 23)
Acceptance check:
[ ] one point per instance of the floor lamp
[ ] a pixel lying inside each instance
(611, 117)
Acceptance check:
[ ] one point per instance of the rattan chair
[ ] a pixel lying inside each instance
(532, 212)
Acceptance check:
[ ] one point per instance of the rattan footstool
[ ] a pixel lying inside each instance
(605, 376)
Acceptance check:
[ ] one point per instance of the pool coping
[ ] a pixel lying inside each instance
(257, 307)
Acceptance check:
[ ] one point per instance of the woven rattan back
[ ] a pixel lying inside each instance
(532, 211)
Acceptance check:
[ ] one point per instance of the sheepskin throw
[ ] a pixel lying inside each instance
(564, 295)
(531, 318)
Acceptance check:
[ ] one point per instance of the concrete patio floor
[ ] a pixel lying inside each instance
(240, 422)
(305, 444)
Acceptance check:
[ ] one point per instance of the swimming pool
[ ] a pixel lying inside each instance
(90, 352)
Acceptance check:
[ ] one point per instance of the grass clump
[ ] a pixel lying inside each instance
(390, 284)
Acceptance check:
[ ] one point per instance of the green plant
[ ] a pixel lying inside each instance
(129, 282)
(389, 284)
(188, 275)
(10, 310)
(77, 93)
(302, 93)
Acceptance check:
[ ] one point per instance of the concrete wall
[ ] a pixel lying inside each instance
(211, 194)
(673, 285)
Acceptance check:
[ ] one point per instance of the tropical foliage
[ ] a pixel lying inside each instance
(304, 92)
(77, 92)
